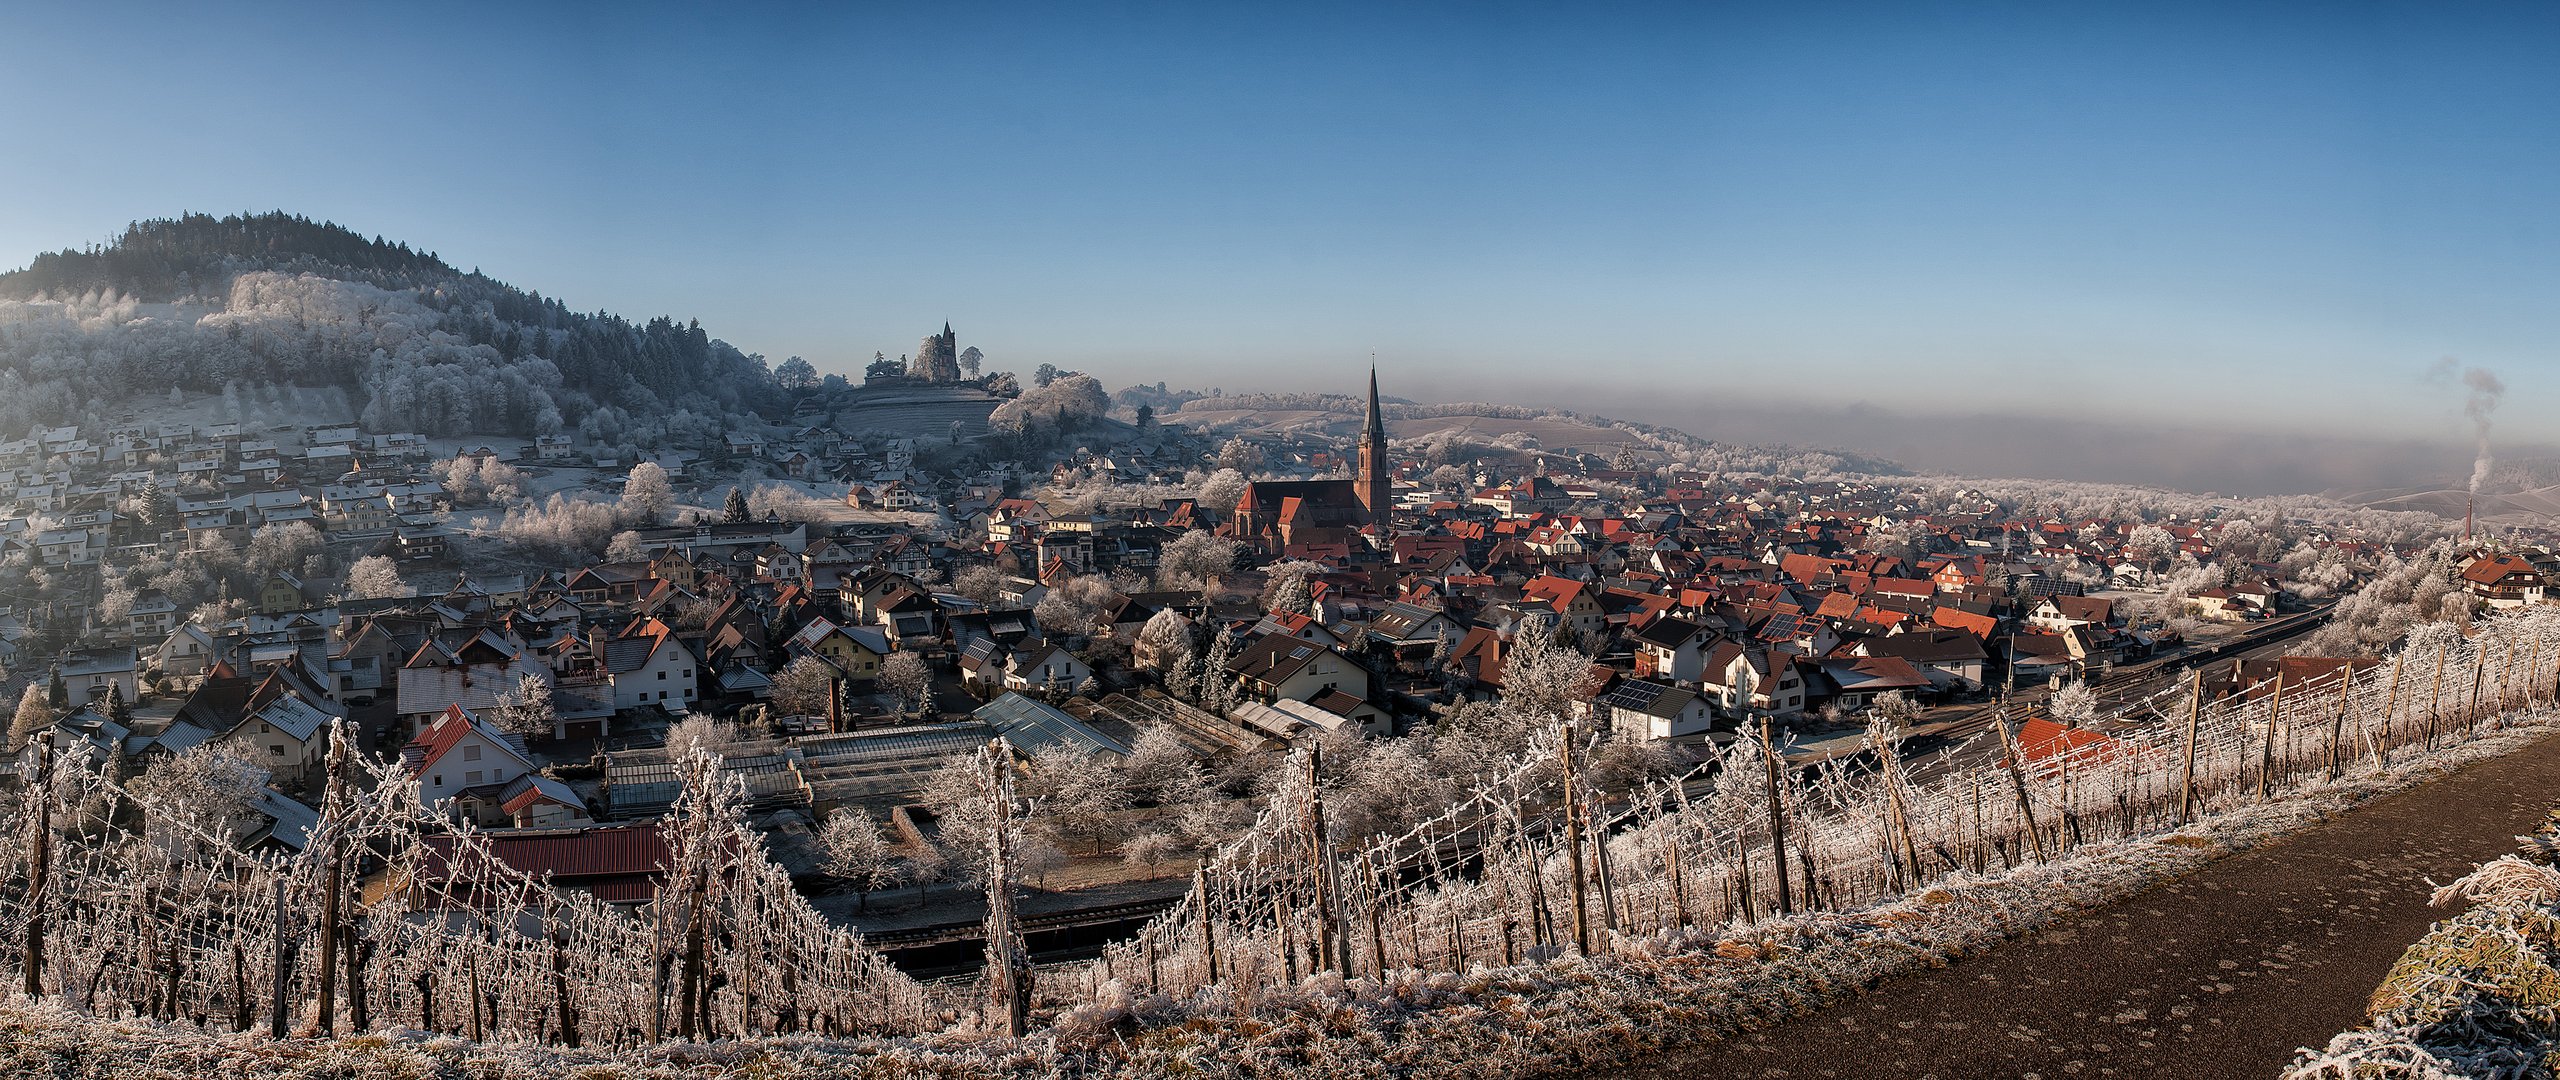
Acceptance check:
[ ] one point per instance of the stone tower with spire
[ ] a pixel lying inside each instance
(1376, 494)
(937, 359)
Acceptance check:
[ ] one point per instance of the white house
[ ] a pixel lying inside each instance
(458, 753)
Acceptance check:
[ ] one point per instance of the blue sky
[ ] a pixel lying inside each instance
(2281, 214)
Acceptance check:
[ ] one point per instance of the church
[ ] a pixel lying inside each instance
(1275, 515)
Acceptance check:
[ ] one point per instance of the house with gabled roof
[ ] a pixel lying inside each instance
(458, 754)
(284, 724)
(1284, 666)
(469, 669)
(647, 665)
(1577, 601)
(856, 651)
(1755, 681)
(1675, 649)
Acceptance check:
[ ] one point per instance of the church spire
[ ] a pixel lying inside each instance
(1375, 428)
(1371, 483)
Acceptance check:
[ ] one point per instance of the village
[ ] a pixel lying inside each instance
(1150, 619)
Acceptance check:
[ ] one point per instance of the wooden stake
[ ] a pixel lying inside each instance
(2018, 781)
(2267, 747)
(39, 867)
(2187, 770)
(1777, 820)
(1208, 918)
(1573, 847)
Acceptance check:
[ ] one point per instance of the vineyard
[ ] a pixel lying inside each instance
(394, 919)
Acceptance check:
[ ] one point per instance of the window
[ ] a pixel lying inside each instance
(662, 676)
(277, 751)
(471, 752)
(472, 777)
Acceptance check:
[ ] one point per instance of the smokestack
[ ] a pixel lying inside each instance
(2468, 507)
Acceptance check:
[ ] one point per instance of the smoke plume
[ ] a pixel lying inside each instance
(2481, 392)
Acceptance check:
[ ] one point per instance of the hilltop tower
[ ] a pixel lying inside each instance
(1376, 494)
(937, 357)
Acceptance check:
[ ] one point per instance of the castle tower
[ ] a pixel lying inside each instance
(1376, 494)
(937, 357)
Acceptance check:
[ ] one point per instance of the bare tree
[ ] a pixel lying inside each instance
(982, 583)
(699, 732)
(804, 686)
(907, 675)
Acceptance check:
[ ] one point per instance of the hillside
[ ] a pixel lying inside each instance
(204, 304)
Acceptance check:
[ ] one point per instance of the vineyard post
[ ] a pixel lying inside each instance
(1335, 949)
(1208, 919)
(2187, 769)
(2381, 745)
(560, 975)
(1777, 818)
(1671, 840)
(1008, 977)
(2479, 671)
(2338, 722)
(1573, 846)
(333, 879)
(1889, 762)
(2435, 697)
(284, 964)
(1377, 904)
(2266, 748)
(39, 866)
(2018, 781)
(1606, 871)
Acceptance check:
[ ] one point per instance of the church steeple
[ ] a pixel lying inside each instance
(1376, 494)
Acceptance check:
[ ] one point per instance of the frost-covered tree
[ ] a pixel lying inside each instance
(287, 547)
(804, 686)
(1220, 491)
(375, 577)
(907, 675)
(526, 709)
(560, 527)
(982, 583)
(33, 716)
(1542, 678)
(1240, 457)
(1194, 559)
(2151, 546)
(2076, 705)
(734, 509)
(1167, 635)
(1075, 794)
(699, 732)
(1161, 770)
(1286, 586)
(206, 790)
(858, 853)
(647, 495)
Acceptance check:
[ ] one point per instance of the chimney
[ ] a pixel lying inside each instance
(2469, 505)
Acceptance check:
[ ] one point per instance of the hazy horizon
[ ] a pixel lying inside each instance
(1875, 225)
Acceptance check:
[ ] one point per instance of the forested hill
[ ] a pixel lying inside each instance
(204, 303)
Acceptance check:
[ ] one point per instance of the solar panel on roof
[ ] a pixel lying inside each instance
(1301, 652)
